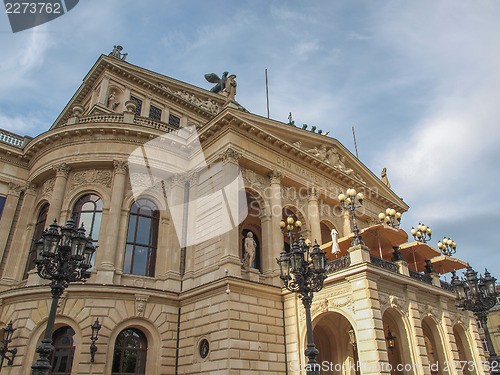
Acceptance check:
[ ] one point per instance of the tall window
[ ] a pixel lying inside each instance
(130, 352)
(2, 204)
(142, 238)
(174, 121)
(88, 211)
(64, 340)
(39, 227)
(139, 105)
(155, 113)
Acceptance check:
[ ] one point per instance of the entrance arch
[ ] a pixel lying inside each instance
(464, 348)
(393, 322)
(434, 346)
(335, 339)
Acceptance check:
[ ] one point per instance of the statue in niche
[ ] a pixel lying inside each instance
(220, 83)
(117, 53)
(249, 256)
(335, 245)
(112, 102)
(385, 180)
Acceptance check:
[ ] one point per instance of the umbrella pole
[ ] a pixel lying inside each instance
(414, 260)
(379, 248)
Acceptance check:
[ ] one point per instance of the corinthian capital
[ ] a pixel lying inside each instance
(121, 166)
(62, 169)
(15, 189)
(275, 176)
(230, 155)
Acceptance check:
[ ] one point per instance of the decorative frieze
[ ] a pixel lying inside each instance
(92, 176)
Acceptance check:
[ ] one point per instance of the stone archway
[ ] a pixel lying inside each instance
(399, 356)
(434, 346)
(464, 349)
(335, 339)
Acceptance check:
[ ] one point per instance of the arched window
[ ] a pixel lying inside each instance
(142, 238)
(130, 352)
(39, 228)
(64, 340)
(88, 211)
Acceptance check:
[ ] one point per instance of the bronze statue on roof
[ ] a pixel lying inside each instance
(220, 83)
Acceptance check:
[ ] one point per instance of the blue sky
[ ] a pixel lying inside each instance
(419, 81)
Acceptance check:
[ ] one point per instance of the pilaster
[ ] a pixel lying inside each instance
(56, 199)
(8, 213)
(276, 216)
(313, 214)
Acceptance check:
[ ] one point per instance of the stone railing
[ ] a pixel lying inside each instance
(421, 277)
(338, 264)
(13, 139)
(447, 286)
(118, 118)
(385, 264)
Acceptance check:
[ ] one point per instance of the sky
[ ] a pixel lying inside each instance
(419, 81)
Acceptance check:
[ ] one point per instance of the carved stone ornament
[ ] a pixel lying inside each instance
(48, 186)
(314, 194)
(140, 304)
(206, 104)
(15, 189)
(394, 302)
(230, 155)
(252, 178)
(342, 302)
(62, 303)
(319, 307)
(121, 166)
(275, 176)
(93, 176)
(31, 187)
(62, 169)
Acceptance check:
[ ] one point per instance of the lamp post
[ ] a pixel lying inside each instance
(422, 234)
(348, 202)
(478, 295)
(303, 271)
(447, 246)
(63, 256)
(391, 217)
(7, 339)
(95, 332)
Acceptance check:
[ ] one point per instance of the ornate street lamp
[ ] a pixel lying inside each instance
(478, 296)
(391, 217)
(348, 202)
(391, 340)
(7, 339)
(63, 256)
(95, 332)
(303, 271)
(422, 234)
(447, 246)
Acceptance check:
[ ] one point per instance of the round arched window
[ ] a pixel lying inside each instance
(130, 352)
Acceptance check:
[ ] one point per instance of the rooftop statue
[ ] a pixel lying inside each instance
(117, 53)
(220, 83)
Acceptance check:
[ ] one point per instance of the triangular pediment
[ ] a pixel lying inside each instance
(125, 77)
(319, 153)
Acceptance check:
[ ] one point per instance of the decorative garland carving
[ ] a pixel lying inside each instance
(92, 176)
(48, 186)
(251, 178)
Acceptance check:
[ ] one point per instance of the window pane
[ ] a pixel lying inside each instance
(86, 219)
(131, 228)
(2, 203)
(143, 230)
(127, 262)
(140, 259)
(129, 362)
(155, 113)
(96, 228)
(89, 206)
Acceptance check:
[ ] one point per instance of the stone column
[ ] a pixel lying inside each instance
(266, 252)
(346, 223)
(313, 213)
(276, 216)
(231, 255)
(57, 197)
(450, 348)
(9, 210)
(370, 335)
(105, 256)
